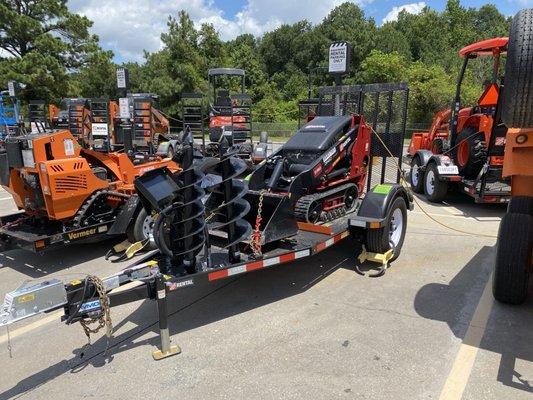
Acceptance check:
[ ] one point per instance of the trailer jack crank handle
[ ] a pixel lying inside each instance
(167, 349)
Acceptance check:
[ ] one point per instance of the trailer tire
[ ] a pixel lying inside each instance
(521, 205)
(513, 258)
(416, 176)
(434, 188)
(379, 240)
(138, 231)
(518, 92)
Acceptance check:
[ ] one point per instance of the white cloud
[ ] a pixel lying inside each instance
(130, 26)
(411, 8)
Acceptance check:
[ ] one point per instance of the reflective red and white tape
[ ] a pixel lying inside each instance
(267, 262)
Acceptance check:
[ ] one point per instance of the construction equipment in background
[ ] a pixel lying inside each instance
(514, 254)
(9, 114)
(202, 240)
(67, 193)
(230, 117)
(464, 147)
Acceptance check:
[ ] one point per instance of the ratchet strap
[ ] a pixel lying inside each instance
(125, 250)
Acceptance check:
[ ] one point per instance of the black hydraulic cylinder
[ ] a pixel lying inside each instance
(276, 173)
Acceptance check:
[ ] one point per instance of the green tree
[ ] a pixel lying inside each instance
(379, 67)
(43, 40)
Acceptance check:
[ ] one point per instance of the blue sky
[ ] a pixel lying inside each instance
(130, 26)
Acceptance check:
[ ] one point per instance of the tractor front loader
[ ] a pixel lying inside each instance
(514, 254)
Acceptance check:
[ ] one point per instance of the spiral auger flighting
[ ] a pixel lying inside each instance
(226, 205)
(179, 230)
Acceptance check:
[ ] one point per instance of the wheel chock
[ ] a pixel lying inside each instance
(380, 258)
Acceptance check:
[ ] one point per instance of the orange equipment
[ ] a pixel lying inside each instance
(514, 249)
(464, 146)
(68, 192)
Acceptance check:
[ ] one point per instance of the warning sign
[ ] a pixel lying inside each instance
(339, 58)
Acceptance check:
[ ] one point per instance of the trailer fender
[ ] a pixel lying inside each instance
(126, 216)
(164, 147)
(375, 206)
(424, 156)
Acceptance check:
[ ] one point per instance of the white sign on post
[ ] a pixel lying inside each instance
(338, 58)
(122, 78)
(11, 88)
(124, 107)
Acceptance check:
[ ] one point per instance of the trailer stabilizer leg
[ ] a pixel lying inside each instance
(167, 349)
(380, 258)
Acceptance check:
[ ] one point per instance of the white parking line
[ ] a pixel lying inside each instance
(466, 356)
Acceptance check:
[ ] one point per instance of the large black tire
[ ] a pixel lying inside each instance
(434, 188)
(416, 176)
(138, 232)
(470, 152)
(521, 205)
(517, 107)
(513, 258)
(378, 240)
(170, 152)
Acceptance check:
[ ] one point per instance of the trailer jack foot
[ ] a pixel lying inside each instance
(166, 349)
(380, 258)
(173, 350)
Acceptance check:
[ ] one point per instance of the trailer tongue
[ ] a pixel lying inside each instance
(231, 228)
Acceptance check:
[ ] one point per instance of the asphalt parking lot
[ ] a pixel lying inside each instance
(314, 328)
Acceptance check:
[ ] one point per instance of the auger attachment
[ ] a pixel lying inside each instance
(226, 206)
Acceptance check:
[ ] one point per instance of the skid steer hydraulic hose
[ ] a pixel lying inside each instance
(158, 229)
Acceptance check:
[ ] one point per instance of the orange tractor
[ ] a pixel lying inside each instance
(68, 193)
(514, 255)
(464, 147)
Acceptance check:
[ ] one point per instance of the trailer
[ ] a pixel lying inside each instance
(208, 238)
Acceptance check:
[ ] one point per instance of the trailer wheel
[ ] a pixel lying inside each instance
(142, 229)
(518, 92)
(521, 205)
(513, 258)
(416, 176)
(392, 234)
(434, 188)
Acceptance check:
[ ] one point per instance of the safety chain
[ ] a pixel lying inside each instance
(255, 239)
(104, 319)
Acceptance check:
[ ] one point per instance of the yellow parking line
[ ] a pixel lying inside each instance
(30, 327)
(464, 361)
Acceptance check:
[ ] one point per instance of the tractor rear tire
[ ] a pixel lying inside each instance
(379, 240)
(517, 103)
(434, 188)
(416, 176)
(521, 205)
(470, 152)
(513, 258)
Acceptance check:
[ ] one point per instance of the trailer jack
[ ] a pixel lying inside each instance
(167, 349)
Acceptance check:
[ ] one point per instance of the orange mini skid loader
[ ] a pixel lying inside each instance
(67, 193)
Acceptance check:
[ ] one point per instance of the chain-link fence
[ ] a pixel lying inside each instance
(283, 130)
